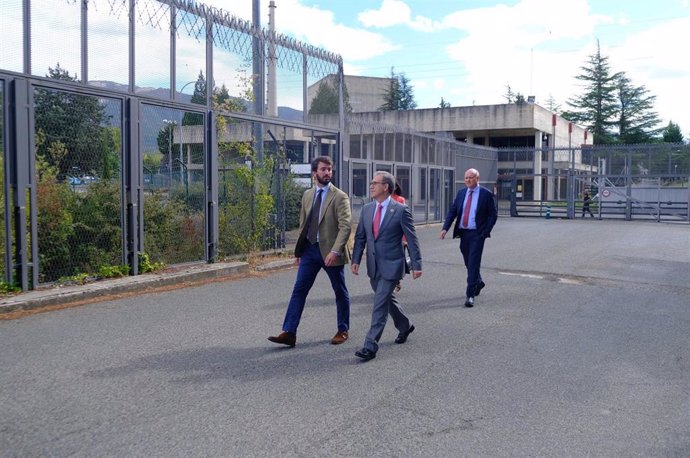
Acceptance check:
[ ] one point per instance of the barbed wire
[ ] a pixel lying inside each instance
(228, 32)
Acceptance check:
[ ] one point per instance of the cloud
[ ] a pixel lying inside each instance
(535, 56)
(323, 31)
(651, 58)
(396, 12)
(541, 57)
(317, 27)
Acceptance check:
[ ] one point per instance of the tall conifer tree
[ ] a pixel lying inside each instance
(399, 95)
(637, 120)
(597, 107)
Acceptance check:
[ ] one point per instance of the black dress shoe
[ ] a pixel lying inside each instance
(469, 302)
(402, 337)
(365, 354)
(479, 287)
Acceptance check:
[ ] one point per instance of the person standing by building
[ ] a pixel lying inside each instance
(474, 210)
(382, 224)
(586, 200)
(325, 227)
(398, 197)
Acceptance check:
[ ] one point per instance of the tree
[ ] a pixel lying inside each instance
(552, 105)
(399, 95)
(514, 97)
(223, 101)
(71, 132)
(199, 97)
(165, 138)
(636, 119)
(509, 95)
(672, 133)
(326, 99)
(597, 107)
(444, 104)
(221, 96)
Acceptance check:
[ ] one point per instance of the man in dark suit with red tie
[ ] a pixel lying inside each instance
(474, 210)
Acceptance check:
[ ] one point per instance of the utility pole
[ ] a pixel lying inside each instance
(258, 74)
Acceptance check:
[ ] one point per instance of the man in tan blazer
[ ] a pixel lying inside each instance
(324, 234)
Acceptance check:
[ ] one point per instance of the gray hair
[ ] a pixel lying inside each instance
(388, 179)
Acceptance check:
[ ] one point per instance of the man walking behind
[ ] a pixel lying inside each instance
(324, 232)
(382, 225)
(474, 210)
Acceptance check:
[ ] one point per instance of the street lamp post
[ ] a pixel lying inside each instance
(184, 86)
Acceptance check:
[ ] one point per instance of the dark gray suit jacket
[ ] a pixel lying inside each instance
(385, 254)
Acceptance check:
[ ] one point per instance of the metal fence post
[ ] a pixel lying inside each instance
(21, 175)
(688, 207)
(211, 150)
(133, 220)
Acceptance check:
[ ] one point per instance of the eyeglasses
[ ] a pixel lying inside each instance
(372, 183)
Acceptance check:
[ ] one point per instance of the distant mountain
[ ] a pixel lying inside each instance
(156, 92)
(153, 116)
(289, 114)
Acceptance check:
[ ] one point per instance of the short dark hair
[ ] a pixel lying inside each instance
(315, 163)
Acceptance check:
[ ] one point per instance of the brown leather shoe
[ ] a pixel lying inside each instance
(284, 338)
(339, 337)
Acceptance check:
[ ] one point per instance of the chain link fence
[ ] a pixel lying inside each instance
(624, 182)
(78, 177)
(139, 138)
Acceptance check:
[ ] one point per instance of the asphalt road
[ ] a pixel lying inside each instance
(578, 346)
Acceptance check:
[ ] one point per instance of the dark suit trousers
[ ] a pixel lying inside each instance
(471, 247)
(384, 303)
(310, 264)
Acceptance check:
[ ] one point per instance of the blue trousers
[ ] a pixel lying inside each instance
(472, 247)
(310, 264)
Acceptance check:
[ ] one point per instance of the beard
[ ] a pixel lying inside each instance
(323, 181)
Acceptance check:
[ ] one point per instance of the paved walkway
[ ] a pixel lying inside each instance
(578, 346)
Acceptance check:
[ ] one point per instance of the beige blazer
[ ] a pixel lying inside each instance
(334, 222)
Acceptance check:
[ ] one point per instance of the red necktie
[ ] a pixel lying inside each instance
(377, 220)
(466, 213)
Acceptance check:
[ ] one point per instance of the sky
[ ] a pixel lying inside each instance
(465, 51)
(468, 52)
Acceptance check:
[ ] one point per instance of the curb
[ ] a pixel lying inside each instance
(63, 295)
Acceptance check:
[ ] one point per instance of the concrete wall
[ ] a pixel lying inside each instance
(366, 93)
(483, 120)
